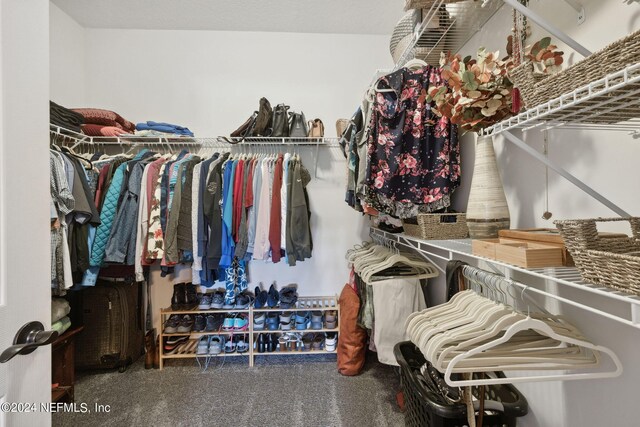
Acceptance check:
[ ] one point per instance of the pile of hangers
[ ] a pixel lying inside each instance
(472, 333)
(376, 262)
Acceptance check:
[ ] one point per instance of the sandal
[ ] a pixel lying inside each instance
(230, 346)
(283, 342)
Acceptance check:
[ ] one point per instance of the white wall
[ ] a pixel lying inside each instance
(212, 81)
(606, 162)
(66, 59)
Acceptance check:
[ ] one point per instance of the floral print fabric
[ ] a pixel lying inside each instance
(413, 154)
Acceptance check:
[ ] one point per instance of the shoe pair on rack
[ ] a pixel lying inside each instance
(216, 301)
(178, 324)
(286, 298)
(237, 322)
(171, 344)
(210, 323)
(185, 296)
(266, 343)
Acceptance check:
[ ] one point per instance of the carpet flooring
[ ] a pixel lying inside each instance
(278, 391)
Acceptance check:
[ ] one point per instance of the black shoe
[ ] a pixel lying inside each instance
(273, 296)
(272, 342)
(178, 298)
(260, 344)
(190, 296)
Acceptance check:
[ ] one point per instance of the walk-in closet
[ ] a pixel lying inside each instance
(298, 213)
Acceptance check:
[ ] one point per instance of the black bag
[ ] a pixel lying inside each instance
(113, 335)
(264, 119)
(280, 121)
(298, 125)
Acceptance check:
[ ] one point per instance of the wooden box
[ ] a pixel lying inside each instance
(520, 253)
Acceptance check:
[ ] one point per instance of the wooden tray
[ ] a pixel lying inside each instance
(521, 253)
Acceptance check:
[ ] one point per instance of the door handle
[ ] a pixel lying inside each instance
(29, 337)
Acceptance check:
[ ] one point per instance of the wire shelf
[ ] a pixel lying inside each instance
(446, 27)
(566, 276)
(218, 141)
(609, 103)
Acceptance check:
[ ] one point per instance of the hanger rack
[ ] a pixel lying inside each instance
(266, 144)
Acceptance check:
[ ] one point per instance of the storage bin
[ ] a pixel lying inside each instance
(441, 226)
(613, 262)
(537, 89)
(424, 408)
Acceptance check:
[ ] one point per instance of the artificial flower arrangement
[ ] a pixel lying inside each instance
(477, 93)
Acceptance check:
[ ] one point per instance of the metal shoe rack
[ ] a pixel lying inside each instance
(188, 349)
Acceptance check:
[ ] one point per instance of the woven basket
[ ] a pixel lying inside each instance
(443, 226)
(610, 262)
(425, 4)
(536, 90)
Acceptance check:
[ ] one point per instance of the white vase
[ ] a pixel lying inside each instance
(487, 210)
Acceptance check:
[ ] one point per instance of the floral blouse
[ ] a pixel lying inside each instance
(413, 154)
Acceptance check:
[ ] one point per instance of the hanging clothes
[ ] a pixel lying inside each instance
(402, 158)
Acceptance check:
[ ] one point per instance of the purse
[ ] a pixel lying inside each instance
(341, 126)
(316, 128)
(280, 121)
(264, 120)
(245, 129)
(298, 127)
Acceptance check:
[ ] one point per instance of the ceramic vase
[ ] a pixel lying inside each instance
(487, 210)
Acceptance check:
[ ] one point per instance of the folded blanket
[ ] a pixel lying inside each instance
(99, 116)
(164, 127)
(64, 117)
(100, 130)
(59, 308)
(149, 133)
(61, 325)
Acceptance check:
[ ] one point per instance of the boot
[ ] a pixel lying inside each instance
(272, 341)
(260, 344)
(190, 296)
(149, 344)
(156, 353)
(179, 295)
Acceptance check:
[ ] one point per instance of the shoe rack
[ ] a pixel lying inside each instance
(187, 350)
(322, 304)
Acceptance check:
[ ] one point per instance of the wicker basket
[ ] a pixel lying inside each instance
(440, 226)
(610, 262)
(536, 90)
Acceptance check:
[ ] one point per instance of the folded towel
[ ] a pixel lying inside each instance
(164, 127)
(98, 116)
(59, 308)
(61, 325)
(99, 130)
(64, 117)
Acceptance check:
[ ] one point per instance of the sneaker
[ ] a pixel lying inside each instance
(171, 324)
(205, 302)
(258, 321)
(228, 323)
(316, 320)
(199, 323)
(230, 346)
(243, 344)
(331, 341)
(186, 324)
(203, 345)
(272, 296)
(240, 323)
(217, 300)
(273, 321)
(244, 300)
(214, 321)
(288, 297)
(171, 343)
(216, 344)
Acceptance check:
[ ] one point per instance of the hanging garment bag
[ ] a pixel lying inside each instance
(113, 335)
